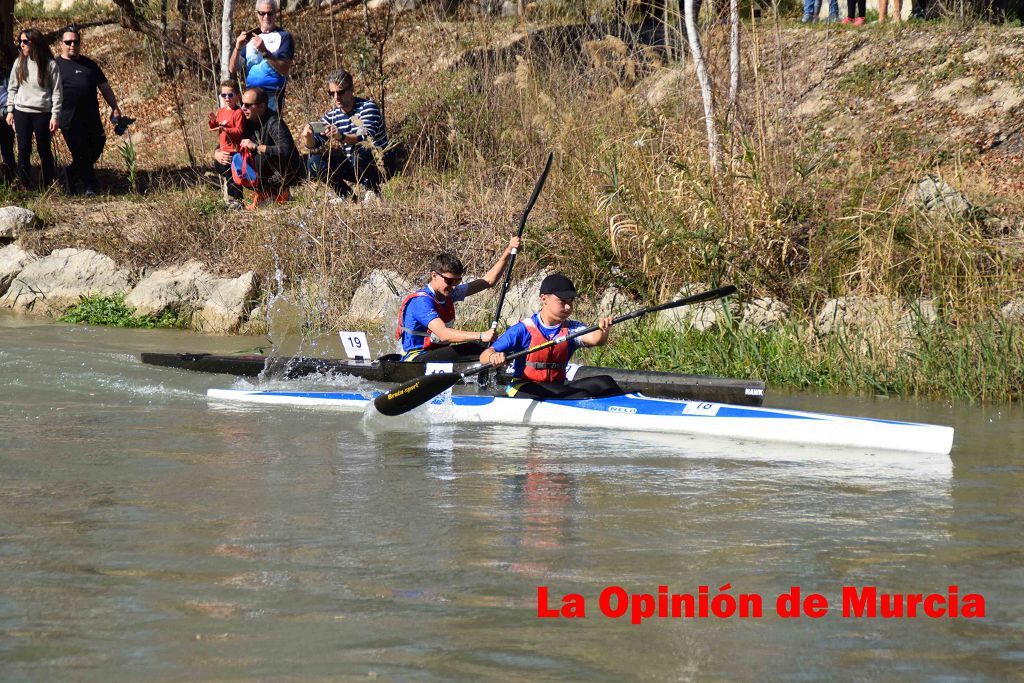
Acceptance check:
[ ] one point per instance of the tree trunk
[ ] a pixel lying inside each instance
(714, 148)
(132, 18)
(227, 39)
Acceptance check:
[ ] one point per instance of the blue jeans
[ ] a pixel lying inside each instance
(812, 8)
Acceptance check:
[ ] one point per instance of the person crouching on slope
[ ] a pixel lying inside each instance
(425, 315)
(542, 374)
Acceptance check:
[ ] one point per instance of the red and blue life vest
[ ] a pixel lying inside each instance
(445, 311)
(546, 365)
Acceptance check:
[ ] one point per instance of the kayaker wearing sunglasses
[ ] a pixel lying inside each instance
(425, 315)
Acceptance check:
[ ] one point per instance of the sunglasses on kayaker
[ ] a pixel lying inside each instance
(72, 42)
(450, 281)
(265, 14)
(227, 95)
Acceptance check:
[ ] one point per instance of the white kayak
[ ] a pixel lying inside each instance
(636, 412)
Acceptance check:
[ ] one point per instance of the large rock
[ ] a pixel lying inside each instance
(379, 296)
(664, 86)
(58, 281)
(920, 313)
(1013, 312)
(13, 260)
(763, 313)
(15, 221)
(873, 314)
(175, 288)
(938, 197)
(228, 304)
(523, 299)
(700, 317)
(615, 302)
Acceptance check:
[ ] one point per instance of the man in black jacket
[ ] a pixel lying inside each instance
(80, 121)
(276, 161)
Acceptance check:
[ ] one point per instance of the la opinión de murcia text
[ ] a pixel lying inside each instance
(855, 602)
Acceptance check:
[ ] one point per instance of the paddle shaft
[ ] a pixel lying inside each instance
(710, 295)
(522, 226)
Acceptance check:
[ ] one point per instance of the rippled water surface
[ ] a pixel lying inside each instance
(148, 534)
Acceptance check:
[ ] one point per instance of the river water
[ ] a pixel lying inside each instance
(148, 534)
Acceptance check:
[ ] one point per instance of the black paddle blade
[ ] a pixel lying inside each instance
(415, 393)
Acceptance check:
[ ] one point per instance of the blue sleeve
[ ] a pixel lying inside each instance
(460, 293)
(574, 327)
(287, 49)
(420, 311)
(515, 338)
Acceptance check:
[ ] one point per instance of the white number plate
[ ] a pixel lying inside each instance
(700, 409)
(356, 346)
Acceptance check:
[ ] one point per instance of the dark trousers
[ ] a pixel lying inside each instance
(86, 142)
(856, 8)
(7, 151)
(274, 175)
(234, 191)
(585, 387)
(26, 125)
(341, 172)
(464, 352)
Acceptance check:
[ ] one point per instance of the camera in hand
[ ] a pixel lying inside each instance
(121, 123)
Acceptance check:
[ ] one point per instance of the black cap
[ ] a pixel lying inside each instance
(559, 285)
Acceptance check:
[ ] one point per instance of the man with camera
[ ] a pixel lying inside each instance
(349, 144)
(268, 146)
(80, 121)
(266, 55)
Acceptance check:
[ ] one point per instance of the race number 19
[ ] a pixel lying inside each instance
(356, 346)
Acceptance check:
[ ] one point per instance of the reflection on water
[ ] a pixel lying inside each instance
(148, 534)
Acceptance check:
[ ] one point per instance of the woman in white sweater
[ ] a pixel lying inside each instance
(34, 102)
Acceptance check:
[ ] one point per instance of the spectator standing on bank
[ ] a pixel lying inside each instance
(883, 10)
(265, 54)
(855, 12)
(229, 123)
(80, 121)
(6, 132)
(812, 9)
(356, 124)
(34, 99)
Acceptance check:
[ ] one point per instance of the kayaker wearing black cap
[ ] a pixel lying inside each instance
(542, 374)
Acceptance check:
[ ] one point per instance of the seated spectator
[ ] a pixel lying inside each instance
(269, 145)
(229, 123)
(356, 124)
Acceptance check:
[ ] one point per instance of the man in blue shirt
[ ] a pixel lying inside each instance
(357, 125)
(543, 374)
(425, 315)
(266, 55)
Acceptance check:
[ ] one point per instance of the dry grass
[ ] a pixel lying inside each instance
(813, 205)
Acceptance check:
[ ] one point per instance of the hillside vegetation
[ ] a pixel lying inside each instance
(834, 129)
